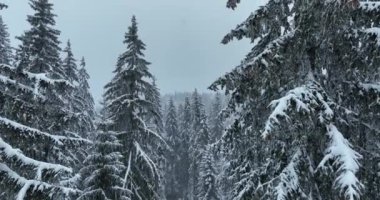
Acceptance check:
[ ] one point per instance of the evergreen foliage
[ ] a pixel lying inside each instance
(315, 63)
(103, 170)
(5, 47)
(131, 106)
(37, 148)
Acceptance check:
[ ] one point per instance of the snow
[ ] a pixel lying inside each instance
(282, 105)
(27, 184)
(40, 166)
(370, 86)
(32, 132)
(274, 44)
(6, 80)
(127, 172)
(306, 98)
(289, 181)
(370, 6)
(44, 77)
(375, 31)
(141, 153)
(346, 159)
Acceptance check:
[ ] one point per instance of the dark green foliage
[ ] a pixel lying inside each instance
(315, 63)
(131, 106)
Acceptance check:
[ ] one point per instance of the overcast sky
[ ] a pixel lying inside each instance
(182, 36)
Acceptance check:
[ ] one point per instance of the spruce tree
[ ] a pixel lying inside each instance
(103, 168)
(69, 64)
(36, 150)
(173, 189)
(207, 186)
(200, 138)
(86, 101)
(216, 120)
(185, 132)
(39, 50)
(5, 46)
(315, 64)
(131, 107)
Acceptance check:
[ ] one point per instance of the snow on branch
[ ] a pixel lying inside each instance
(306, 98)
(42, 77)
(35, 185)
(371, 86)
(18, 85)
(31, 131)
(10, 152)
(347, 161)
(374, 31)
(149, 131)
(289, 181)
(370, 5)
(34, 132)
(141, 153)
(127, 172)
(260, 58)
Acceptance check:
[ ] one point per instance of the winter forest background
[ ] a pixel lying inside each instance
(297, 118)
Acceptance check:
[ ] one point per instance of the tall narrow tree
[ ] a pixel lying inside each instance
(87, 104)
(5, 46)
(185, 132)
(130, 108)
(207, 186)
(173, 189)
(200, 138)
(216, 120)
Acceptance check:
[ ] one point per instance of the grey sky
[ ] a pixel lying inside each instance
(182, 36)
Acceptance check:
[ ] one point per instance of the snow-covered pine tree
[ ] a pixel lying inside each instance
(80, 103)
(34, 142)
(128, 102)
(86, 101)
(216, 120)
(200, 138)
(207, 186)
(73, 102)
(5, 46)
(173, 172)
(316, 63)
(103, 168)
(39, 50)
(183, 153)
(69, 64)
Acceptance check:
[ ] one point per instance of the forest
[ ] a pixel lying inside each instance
(297, 119)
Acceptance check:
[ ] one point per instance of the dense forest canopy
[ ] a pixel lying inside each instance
(298, 118)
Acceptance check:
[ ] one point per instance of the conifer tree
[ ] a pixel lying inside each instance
(184, 150)
(103, 168)
(216, 120)
(39, 50)
(200, 138)
(207, 186)
(5, 46)
(69, 64)
(87, 105)
(173, 167)
(131, 107)
(315, 63)
(35, 147)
